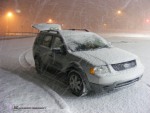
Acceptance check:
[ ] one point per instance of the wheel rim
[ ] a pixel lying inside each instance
(76, 83)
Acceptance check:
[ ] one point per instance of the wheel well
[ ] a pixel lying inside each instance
(72, 68)
(69, 69)
(79, 70)
(36, 56)
(82, 75)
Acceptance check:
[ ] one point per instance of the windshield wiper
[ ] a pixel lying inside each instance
(100, 47)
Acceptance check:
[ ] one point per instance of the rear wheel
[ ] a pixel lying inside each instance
(76, 83)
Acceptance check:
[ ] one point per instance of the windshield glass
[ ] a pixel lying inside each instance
(85, 41)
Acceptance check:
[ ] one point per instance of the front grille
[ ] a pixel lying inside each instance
(124, 65)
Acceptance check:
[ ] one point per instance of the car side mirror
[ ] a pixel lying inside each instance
(63, 50)
(56, 50)
(60, 50)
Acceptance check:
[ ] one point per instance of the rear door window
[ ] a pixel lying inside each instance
(47, 40)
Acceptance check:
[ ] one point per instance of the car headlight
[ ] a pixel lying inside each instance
(99, 70)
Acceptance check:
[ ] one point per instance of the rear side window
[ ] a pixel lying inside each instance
(46, 41)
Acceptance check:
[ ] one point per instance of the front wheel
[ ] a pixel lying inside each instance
(76, 83)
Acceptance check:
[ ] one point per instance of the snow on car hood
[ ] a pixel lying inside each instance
(105, 56)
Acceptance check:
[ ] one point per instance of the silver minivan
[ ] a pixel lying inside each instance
(88, 60)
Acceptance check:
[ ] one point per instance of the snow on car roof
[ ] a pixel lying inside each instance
(76, 35)
(72, 32)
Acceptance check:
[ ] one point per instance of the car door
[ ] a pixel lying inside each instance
(45, 50)
(58, 58)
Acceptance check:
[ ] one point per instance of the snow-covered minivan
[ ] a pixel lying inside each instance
(88, 60)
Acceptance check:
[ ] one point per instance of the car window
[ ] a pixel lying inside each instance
(58, 42)
(47, 40)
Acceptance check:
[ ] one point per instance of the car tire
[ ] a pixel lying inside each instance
(77, 84)
(39, 66)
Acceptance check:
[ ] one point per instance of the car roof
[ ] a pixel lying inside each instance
(66, 33)
(73, 32)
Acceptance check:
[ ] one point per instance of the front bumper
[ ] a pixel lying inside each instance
(114, 86)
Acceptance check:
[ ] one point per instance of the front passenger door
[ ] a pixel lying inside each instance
(58, 58)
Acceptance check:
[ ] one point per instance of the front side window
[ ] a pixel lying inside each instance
(58, 42)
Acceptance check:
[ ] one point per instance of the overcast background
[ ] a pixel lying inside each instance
(95, 15)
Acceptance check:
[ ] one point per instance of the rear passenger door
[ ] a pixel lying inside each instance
(58, 59)
(45, 50)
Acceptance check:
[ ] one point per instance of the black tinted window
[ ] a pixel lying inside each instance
(46, 41)
(58, 42)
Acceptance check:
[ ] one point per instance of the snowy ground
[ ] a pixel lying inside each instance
(23, 87)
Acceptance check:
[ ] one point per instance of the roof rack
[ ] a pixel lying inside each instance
(79, 30)
(52, 31)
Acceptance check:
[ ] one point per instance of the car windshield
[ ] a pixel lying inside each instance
(85, 41)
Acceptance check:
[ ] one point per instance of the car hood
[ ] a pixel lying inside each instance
(105, 56)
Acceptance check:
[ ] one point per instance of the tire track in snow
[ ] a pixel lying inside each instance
(59, 101)
(23, 61)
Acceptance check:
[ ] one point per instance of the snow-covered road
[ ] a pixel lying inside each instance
(17, 58)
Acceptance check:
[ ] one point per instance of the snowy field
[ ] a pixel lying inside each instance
(21, 86)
